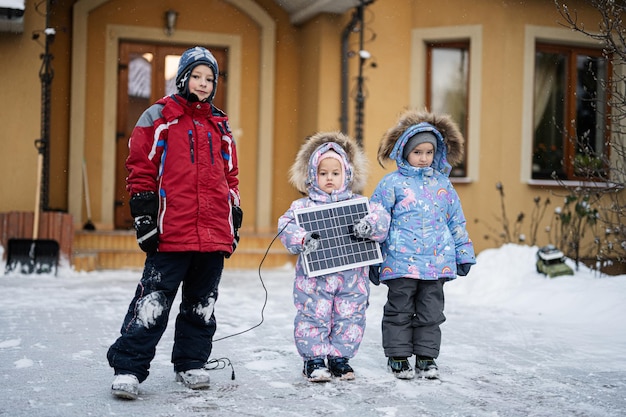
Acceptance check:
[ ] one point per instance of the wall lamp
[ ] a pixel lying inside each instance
(170, 21)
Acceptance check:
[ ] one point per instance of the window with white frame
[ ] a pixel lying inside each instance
(446, 77)
(569, 112)
(447, 85)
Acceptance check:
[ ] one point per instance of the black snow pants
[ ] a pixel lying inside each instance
(148, 312)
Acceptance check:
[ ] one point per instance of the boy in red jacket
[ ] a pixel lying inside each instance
(182, 179)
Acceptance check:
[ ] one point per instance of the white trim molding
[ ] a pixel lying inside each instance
(532, 35)
(419, 39)
(114, 33)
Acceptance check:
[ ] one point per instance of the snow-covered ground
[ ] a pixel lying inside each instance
(515, 344)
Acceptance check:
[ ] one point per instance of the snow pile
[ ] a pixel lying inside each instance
(515, 344)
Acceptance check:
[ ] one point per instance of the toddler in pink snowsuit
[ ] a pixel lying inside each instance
(330, 318)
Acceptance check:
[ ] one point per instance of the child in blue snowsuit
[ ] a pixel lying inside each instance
(427, 243)
(330, 318)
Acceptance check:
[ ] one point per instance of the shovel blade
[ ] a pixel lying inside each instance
(27, 256)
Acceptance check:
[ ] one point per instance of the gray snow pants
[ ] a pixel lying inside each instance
(412, 316)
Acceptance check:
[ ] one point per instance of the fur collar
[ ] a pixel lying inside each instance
(301, 170)
(452, 137)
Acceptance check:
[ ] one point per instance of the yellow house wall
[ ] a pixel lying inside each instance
(387, 82)
(503, 25)
(306, 92)
(20, 117)
(320, 66)
(314, 95)
(286, 120)
(501, 111)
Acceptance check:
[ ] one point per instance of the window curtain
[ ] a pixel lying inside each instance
(545, 75)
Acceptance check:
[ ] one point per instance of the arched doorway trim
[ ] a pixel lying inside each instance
(82, 8)
(117, 32)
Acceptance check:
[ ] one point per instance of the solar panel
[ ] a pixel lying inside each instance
(339, 249)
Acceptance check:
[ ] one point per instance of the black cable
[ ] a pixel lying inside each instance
(264, 289)
(222, 363)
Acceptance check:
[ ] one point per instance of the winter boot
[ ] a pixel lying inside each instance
(401, 368)
(125, 386)
(315, 370)
(194, 378)
(340, 368)
(426, 367)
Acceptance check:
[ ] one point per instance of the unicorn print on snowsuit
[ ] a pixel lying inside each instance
(427, 243)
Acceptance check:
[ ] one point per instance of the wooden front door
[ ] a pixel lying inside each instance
(146, 73)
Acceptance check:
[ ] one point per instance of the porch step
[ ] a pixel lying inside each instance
(98, 250)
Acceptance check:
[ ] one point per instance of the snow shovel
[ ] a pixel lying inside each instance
(89, 225)
(40, 256)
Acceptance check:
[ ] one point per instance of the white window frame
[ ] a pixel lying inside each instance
(420, 38)
(532, 35)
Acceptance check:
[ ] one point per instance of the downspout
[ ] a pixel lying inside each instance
(43, 144)
(360, 97)
(357, 19)
(345, 36)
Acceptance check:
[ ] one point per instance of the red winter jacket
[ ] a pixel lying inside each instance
(185, 153)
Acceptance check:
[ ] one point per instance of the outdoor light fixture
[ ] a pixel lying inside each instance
(170, 21)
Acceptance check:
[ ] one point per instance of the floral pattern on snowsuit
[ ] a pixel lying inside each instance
(427, 237)
(330, 317)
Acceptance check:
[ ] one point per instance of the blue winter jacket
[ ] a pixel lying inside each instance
(427, 236)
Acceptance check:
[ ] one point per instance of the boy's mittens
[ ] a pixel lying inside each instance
(362, 230)
(147, 233)
(237, 217)
(145, 202)
(310, 243)
(463, 269)
(375, 274)
(237, 221)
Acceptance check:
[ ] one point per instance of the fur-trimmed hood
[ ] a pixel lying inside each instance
(450, 146)
(303, 172)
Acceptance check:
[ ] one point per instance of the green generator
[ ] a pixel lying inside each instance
(551, 262)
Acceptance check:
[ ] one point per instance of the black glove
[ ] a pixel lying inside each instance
(237, 221)
(144, 207)
(375, 274)
(237, 217)
(463, 269)
(311, 243)
(143, 203)
(147, 233)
